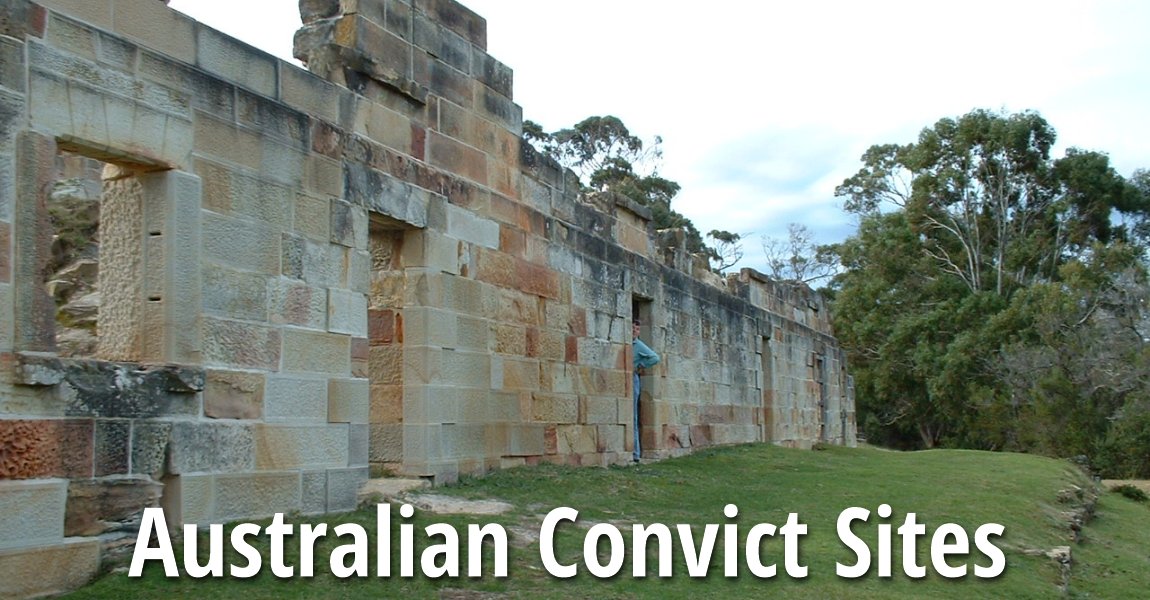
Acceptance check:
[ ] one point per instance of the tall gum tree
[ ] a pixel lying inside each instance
(952, 226)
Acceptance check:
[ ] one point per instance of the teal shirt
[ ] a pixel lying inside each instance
(645, 357)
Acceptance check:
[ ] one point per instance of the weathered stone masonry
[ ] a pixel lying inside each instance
(306, 274)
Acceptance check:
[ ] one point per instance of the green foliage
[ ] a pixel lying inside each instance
(1124, 452)
(607, 156)
(797, 258)
(727, 249)
(1132, 492)
(990, 299)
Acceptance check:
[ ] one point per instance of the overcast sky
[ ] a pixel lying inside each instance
(765, 106)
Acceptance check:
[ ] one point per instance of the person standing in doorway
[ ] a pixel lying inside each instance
(644, 358)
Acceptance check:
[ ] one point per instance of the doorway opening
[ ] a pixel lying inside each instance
(644, 438)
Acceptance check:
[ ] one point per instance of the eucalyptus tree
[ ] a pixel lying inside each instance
(952, 228)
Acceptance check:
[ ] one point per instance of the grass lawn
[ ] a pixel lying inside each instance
(767, 484)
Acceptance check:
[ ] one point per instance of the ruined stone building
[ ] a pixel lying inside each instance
(300, 275)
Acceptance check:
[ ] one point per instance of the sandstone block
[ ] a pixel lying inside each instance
(676, 436)
(421, 364)
(48, 570)
(296, 399)
(312, 216)
(463, 295)
(241, 244)
(348, 401)
(551, 408)
(234, 394)
(386, 195)
(254, 495)
(235, 61)
(471, 333)
(492, 73)
(421, 445)
(357, 445)
(113, 447)
(311, 94)
(157, 26)
(434, 403)
(210, 447)
(98, 506)
(432, 250)
(282, 446)
(386, 403)
(5, 253)
(456, 17)
(526, 439)
(500, 109)
(318, 264)
(458, 158)
(442, 43)
(208, 94)
(465, 369)
(505, 179)
(241, 344)
(598, 410)
(35, 449)
(150, 447)
(347, 312)
(96, 13)
(235, 191)
(386, 364)
(464, 441)
(105, 120)
(381, 326)
(431, 327)
(313, 494)
(443, 80)
(609, 438)
(11, 74)
(520, 374)
(509, 339)
(384, 126)
(358, 272)
(296, 303)
(235, 294)
(284, 124)
(577, 439)
(385, 55)
(343, 488)
(386, 443)
(32, 512)
(348, 225)
(189, 498)
(312, 352)
(465, 225)
(34, 310)
(100, 80)
(6, 324)
(226, 140)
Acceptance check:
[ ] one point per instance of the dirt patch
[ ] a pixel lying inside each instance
(446, 505)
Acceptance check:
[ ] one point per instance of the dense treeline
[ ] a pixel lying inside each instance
(994, 296)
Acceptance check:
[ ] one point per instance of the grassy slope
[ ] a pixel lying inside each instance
(767, 483)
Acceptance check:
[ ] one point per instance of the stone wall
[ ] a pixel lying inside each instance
(312, 273)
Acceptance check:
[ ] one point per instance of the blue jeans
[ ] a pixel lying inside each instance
(635, 388)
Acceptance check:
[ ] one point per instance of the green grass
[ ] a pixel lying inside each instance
(767, 483)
